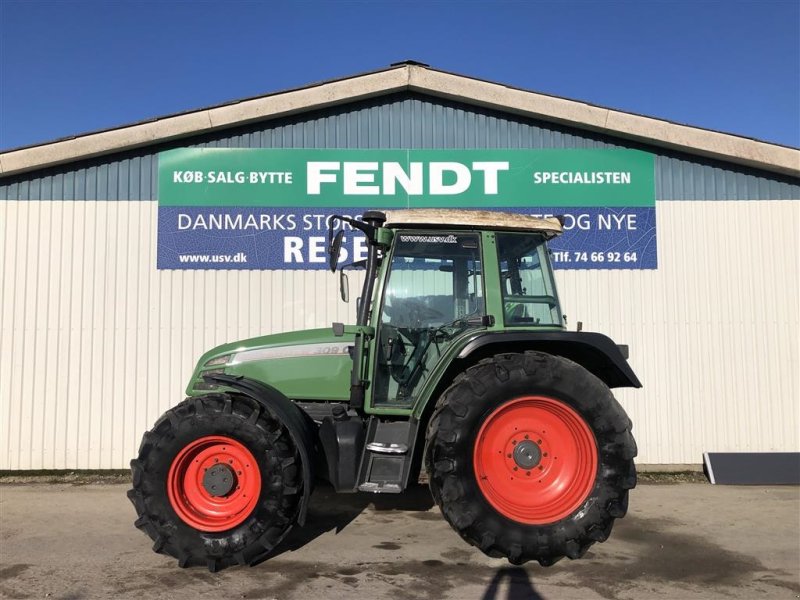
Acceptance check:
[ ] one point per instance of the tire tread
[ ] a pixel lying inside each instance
(243, 544)
(449, 457)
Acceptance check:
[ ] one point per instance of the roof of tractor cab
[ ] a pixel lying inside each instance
(442, 218)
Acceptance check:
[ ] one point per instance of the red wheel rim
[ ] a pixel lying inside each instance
(197, 506)
(535, 460)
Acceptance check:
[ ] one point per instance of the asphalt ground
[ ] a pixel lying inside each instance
(684, 540)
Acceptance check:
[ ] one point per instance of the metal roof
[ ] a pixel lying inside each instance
(417, 77)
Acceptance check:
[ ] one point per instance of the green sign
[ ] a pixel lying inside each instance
(405, 178)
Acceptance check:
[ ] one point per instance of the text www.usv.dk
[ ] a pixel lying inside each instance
(239, 257)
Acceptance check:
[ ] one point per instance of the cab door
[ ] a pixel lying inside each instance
(433, 293)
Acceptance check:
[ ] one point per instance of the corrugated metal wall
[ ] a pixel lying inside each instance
(713, 332)
(395, 121)
(95, 342)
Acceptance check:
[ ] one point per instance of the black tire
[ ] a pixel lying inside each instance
(451, 438)
(269, 442)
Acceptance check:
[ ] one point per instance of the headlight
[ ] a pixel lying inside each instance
(206, 385)
(219, 360)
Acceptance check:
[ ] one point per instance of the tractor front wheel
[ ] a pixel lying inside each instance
(217, 482)
(530, 457)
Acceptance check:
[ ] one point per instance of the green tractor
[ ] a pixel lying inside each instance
(459, 360)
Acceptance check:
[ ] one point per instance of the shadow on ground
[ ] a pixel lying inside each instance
(329, 511)
(519, 585)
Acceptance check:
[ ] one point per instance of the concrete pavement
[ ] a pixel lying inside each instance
(678, 541)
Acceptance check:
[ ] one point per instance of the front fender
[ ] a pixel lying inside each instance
(283, 409)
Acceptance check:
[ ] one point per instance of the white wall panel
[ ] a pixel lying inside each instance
(713, 333)
(95, 343)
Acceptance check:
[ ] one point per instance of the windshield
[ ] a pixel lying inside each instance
(434, 291)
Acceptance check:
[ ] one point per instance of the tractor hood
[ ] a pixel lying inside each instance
(304, 365)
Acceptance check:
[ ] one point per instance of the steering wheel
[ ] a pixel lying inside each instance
(410, 312)
(419, 313)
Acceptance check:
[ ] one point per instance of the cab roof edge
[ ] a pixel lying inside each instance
(478, 219)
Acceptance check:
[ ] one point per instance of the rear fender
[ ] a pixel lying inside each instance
(595, 352)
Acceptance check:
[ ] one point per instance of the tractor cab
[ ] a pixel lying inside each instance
(439, 276)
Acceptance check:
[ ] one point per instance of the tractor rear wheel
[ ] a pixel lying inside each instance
(217, 482)
(530, 457)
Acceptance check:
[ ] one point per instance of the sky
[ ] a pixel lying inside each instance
(67, 67)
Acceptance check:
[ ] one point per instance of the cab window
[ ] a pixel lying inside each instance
(526, 281)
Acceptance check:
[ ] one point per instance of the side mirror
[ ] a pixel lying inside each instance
(344, 286)
(333, 250)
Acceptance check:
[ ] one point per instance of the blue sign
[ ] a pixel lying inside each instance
(253, 238)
